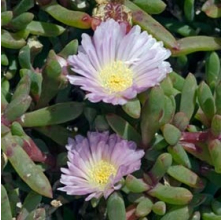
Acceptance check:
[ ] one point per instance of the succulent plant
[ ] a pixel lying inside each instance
(177, 123)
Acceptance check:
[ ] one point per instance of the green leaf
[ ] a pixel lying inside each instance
(208, 214)
(151, 6)
(180, 121)
(5, 86)
(31, 203)
(53, 80)
(16, 129)
(189, 10)
(12, 69)
(101, 124)
(12, 40)
(22, 88)
(116, 207)
(4, 59)
(144, 207)
(24, 58)
(179, 155)
(206, 100)
(177, 80)
(167, 86)
(22, 6)
(193, 44)
(123, 128)
(6, 17)
(135, 197)
(4, 130)
(54, 114)
(178, 27)
(52, 68)
(218, 98)
(216, 206)
(178, 213)
(186, 176)
(136, 185)
(57, 133)
(216, 125)
(25, 167)
(70, 49)
(132, 108)
(5, 205)
(159, 143)
(212, 9)
(152, 112)
(13, 196)
(45, 29)
(159, 208)
(21, 21)
(159, 168)
(17, 107)
(188, 96)
(215, 152)
(171, 134)
(4, 103)
(213, 69)
(36, 82)
(72, 18)
(171, 195)
(168, 110)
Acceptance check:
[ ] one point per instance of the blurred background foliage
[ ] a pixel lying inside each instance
(178, 123)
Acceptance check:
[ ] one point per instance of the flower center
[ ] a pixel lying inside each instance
(116, 77)
(101, 172)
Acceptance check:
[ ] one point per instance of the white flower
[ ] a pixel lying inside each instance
(114, 66)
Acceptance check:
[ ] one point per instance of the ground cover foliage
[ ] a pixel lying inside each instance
(178, 123)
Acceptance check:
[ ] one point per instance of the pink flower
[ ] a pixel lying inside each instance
(114, 66)
(97, 164)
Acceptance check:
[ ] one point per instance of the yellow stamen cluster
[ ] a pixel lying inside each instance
(100, 173)
(116, 77)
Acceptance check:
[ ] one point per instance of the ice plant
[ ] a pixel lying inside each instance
(97, 164)
(114, 66)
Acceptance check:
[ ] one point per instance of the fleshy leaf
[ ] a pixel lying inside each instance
(151, 6)
(5, 205)
(186, 176)
(31, 203)
(52, 115)
(171, 134)
(136, 185)
(12, 40)
(193, 44)
(212, 69)
(132, 108)
(116, 207)
(159, 208)
(144, 207)
(151, 113)
(123, 128)
(163, 162)
(171, 195)
(72, 18)
(188, 96)
(44, 29)
(25, 167)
